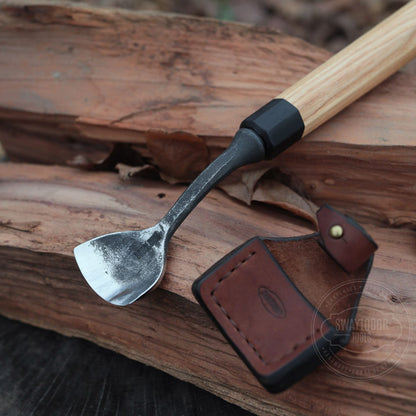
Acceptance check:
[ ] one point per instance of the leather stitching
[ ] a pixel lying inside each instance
(223, 310)
(235, 325)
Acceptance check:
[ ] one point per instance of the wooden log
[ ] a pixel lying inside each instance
(45, 211)
(74, 80)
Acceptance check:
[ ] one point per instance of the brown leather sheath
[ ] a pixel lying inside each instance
(268, 297)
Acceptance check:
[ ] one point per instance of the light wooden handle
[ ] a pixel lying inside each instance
(356, 69)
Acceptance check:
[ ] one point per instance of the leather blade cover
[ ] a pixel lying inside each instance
(264, 295)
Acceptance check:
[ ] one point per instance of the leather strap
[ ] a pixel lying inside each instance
(352, 249)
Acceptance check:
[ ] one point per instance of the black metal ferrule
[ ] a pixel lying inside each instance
(278, 123)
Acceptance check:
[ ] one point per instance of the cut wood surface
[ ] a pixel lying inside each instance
(75, 80)
(46, 210)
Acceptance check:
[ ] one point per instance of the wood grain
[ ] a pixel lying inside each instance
(356, 69)
(75, 80)
(45, 211)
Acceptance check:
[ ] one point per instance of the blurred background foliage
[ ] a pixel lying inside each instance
(330, 24)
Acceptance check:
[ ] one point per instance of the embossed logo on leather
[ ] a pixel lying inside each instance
(271, 302)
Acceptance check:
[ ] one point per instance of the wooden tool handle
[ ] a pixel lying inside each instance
(356, 69)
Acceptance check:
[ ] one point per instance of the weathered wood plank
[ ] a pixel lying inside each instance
(72, 73)
(46, 211)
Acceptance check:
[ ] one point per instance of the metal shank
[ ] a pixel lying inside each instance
(247, 147)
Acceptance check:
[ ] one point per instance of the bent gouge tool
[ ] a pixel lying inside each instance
(123, 266)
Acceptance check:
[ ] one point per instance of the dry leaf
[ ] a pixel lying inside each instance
(263, 183)
(241, 184)
(180, 156)
(274, 192)
(126, 172)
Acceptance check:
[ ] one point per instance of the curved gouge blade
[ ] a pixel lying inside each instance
(121, 267)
